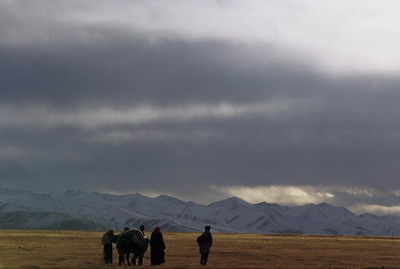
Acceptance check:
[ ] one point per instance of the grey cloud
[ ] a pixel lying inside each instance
(134, 71)
(330, 133)
(321, 130)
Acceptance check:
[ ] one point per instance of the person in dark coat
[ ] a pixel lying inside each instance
(157, 253)
(106, 241)
(124, 248)
(138, 251)
(205, 242)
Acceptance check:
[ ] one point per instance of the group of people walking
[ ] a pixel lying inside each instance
(135, 241)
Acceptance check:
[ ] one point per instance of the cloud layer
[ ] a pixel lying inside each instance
(264, 98)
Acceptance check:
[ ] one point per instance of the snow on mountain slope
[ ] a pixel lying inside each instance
(325, 218)
(99, 211)
(15, 200)
(387, 225)
(231, 203)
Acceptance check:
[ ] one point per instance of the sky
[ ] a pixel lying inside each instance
(284, 101)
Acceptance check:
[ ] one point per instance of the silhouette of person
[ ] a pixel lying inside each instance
(106, 241)
(157, 254)
(138, 251)
(205, 242)
(124, 248)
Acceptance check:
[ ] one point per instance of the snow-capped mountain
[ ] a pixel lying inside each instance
(94, 211)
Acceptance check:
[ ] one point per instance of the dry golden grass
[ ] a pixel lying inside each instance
(70, 249)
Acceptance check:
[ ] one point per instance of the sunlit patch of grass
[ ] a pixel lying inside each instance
(72, 249)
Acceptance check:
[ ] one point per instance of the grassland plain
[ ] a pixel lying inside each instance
(79, 249)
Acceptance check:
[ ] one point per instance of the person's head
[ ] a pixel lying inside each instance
(126, 229)
(141, 227)
(207, 228)
(157, 230)
(111, 231)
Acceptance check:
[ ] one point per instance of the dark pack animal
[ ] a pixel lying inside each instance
(131, 241)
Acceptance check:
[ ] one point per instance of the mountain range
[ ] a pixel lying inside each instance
(78, 210)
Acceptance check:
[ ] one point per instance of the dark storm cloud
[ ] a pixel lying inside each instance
(329, 135)
(137, 71)
(101, 107)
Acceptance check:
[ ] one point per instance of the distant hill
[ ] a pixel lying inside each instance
(77, 210)
(44, 221)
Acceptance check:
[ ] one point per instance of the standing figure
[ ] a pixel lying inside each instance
(157, 245)
(138, 251)
(205, 242)
(106, 241)
(124, 247)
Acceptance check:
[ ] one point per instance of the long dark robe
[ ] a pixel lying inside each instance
(205, 243)
(108, 253)
(107, 248)
(157, 245)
